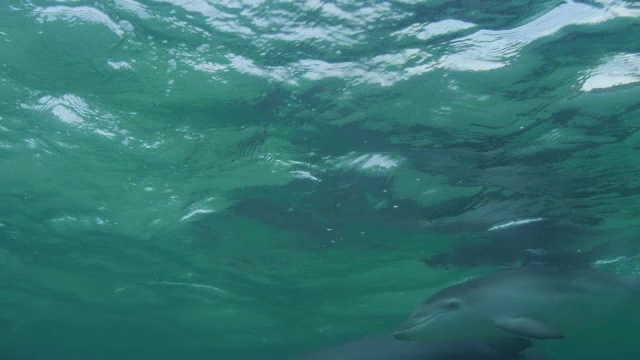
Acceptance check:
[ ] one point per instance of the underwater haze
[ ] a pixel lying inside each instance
(260, 179)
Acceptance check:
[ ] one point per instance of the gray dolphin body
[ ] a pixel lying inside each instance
(535, 302)
(385, 347)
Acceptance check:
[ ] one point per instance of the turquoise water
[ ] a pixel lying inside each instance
(234, 179)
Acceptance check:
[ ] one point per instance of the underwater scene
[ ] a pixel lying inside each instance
(319, 180)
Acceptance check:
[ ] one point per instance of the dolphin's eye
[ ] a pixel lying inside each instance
(452, 304)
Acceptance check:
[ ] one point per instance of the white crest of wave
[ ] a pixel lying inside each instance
(78, 14)
(621, 69)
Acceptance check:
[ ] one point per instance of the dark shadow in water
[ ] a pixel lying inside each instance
(248, 147)
(319, 211)
(544, 242)
(511, 244)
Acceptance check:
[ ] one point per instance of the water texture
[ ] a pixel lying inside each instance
(236, 179)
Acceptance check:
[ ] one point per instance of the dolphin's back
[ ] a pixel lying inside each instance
(385, 347)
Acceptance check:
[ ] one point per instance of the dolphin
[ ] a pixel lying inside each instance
(533, 302)
(385, 347)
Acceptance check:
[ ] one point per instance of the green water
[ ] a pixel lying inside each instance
(257, 179)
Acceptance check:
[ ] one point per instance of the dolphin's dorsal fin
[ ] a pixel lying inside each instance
(528, 327)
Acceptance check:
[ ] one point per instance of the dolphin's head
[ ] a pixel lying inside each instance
(434, 319)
